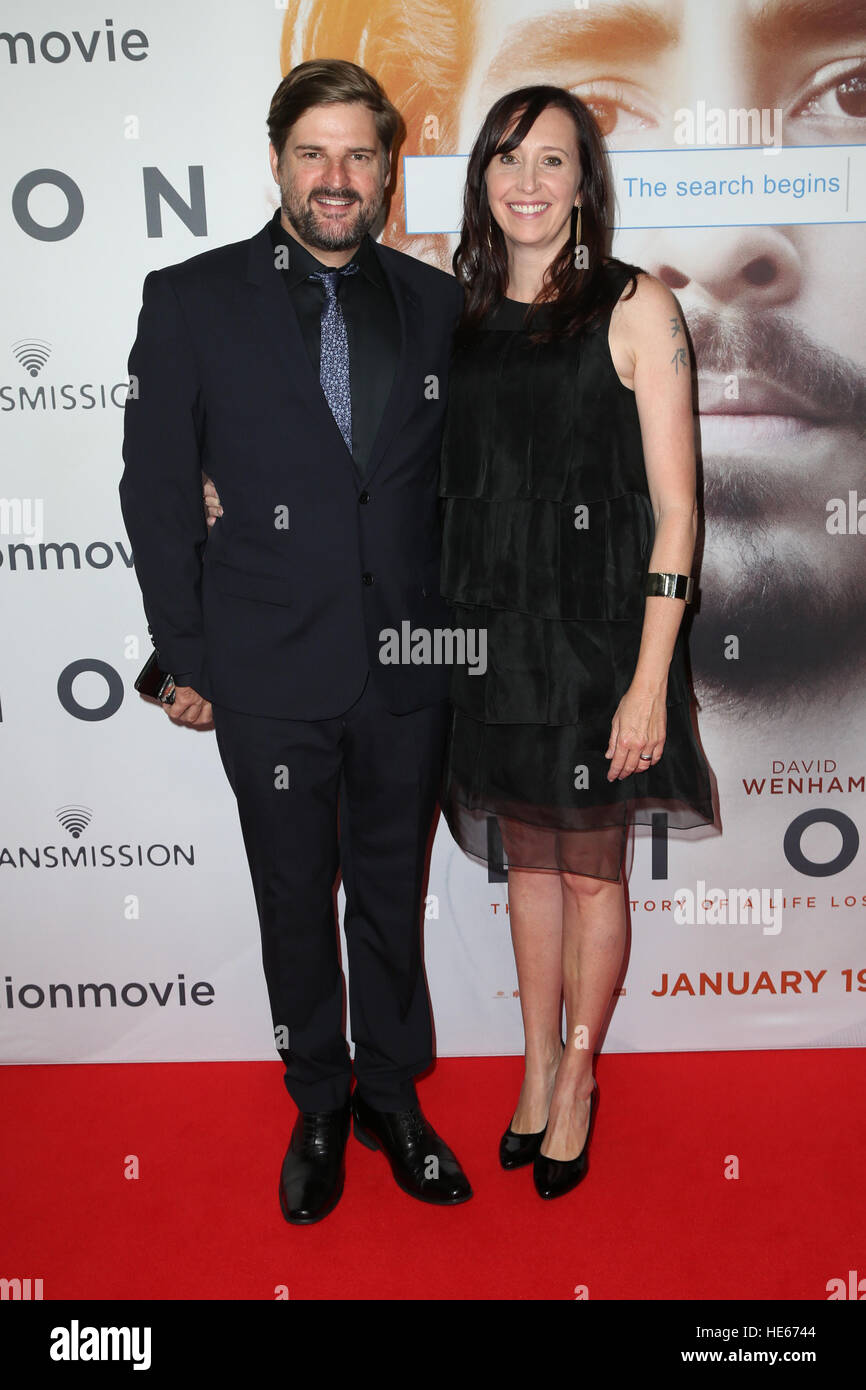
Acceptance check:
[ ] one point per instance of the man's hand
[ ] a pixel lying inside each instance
(190, 708)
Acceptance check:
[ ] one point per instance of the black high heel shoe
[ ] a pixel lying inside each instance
(516, 1150)
(554, 1177)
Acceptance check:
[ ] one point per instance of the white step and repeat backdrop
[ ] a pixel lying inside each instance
(134, 138)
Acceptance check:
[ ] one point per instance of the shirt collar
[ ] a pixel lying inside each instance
(303, 263)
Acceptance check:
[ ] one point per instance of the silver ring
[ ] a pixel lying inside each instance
(645, 757)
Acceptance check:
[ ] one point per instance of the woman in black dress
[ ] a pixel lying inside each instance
(568, 474)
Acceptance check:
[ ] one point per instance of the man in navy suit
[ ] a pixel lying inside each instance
(305, 372)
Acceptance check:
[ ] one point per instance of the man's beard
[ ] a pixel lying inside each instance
(324, 235)
(796, 618)
(798, 625)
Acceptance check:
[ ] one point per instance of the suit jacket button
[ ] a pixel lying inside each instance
(367, 578)
(364, 498)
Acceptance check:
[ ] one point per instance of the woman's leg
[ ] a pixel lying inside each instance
(535, 915)
(593, 942)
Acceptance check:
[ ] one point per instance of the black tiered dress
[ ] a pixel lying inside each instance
(548, 532)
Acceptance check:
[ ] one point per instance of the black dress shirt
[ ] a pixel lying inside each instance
(372, 329)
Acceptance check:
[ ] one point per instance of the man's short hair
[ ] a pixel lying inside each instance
(322, 82)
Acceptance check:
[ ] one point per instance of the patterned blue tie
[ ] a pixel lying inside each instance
(334, 353)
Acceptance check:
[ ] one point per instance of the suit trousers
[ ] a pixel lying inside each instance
(353, 794)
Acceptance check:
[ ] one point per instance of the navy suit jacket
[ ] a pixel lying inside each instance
(279, 608)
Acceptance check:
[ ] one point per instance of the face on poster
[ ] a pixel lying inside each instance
(778, 307)
(777, 646)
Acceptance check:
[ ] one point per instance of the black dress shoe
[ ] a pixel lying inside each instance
(554, 1177)
(516, 1150)
(314, 1168)
(422, 1163)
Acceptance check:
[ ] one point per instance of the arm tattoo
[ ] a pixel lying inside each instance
(680, 358)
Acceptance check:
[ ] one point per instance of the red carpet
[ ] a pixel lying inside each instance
(655, 1217)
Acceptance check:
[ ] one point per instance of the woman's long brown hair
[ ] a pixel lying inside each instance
(576, 295)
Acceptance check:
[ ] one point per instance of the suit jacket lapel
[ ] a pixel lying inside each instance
(283, 336)
(408, 372)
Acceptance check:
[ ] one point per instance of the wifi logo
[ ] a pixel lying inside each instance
(75, 819)
(32, 353)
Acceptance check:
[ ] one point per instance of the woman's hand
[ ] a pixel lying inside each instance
(638, 726)
(212, 505)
